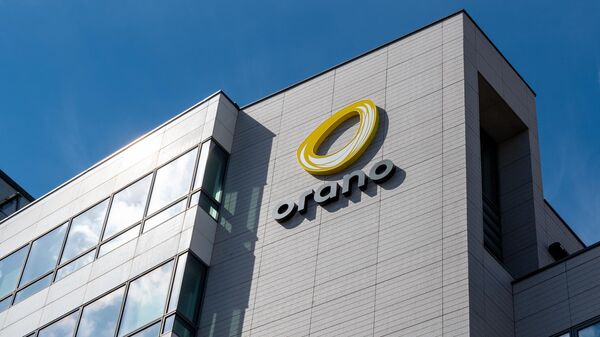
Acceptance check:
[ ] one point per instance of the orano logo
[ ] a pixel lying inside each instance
(335, 162)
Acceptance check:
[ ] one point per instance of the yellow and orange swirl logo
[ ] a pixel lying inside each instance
(335, 162)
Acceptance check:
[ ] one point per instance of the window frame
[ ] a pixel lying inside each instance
(126, 285)
(141, 222)
(574, 330)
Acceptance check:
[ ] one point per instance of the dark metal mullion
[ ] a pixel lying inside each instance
(122, 231)
(145, 326)
(122, 308)
(14, 291)
(88, 250)
(22, 271)
(170, 291)
(105, 222)
(80, 312)
(203, 192)
(64, 244)
(150, 191)
(196, 165)
(225, 168)
(190, 325)
(171, 283)
(179, 199)
(35, 280)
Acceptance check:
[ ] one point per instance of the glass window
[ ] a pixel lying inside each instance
(62, 328)
(44, 254)
(177, 326)
(10, 270)
(164, 215)
(172, 181)
(119, 240)
(176, 288)
(206, 203)
(151, 331)
(5, 303)
(33, 288)
(85, 231)
(99, 319)
(590, 331)
(146, 299)
(211, 170)
(9, 206)
(76, 264)
(187, 287)
(128, 206)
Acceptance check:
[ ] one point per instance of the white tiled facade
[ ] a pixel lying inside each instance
(404, 258)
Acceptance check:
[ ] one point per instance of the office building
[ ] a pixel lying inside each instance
(396, 194)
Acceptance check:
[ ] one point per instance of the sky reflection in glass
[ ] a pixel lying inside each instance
(85, 231)
(63, 328)
(590, 331)
(146, 299)
(10, 268)
(172, 181)
(44, 254)
(128, 206)
(99, 319)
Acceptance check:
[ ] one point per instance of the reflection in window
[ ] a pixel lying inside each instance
(148, 332)
(187, 287)
(207, 204)
(62, 328)
(590, 331)
(146, 299)
(75, 264)
(85, 231)
(176, 325)
(44, 254)
(172, 181)
(164, 215)
(10, 269)
(119, 240)
(33, 288)
(127, 206)
(5, 303)
(99, 319)
(211, 170)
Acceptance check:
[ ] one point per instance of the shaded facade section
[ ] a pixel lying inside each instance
(12, 196)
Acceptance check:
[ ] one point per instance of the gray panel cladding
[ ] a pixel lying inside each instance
(560, 297)
(391, 259)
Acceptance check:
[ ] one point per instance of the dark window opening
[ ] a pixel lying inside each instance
(492, 229)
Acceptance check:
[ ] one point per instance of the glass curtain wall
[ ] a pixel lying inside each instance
(193, 178)
(166, 298)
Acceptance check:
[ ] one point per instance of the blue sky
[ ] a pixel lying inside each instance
(80, 79)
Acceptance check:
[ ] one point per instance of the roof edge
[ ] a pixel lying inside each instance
(556, 263)
(461, 11)
(565, 223)
(16, 186)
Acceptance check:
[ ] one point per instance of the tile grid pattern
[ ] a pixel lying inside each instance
(336, 273)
